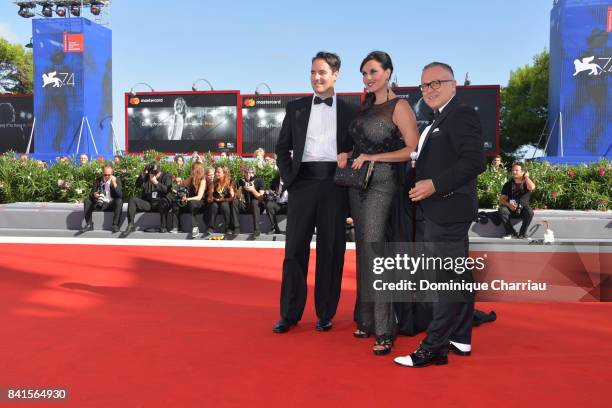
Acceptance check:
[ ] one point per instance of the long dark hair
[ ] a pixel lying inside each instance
(384, 60)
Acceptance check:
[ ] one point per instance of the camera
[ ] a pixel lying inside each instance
(181, 193)
(151, 170)
(101, 198)
(270, 195)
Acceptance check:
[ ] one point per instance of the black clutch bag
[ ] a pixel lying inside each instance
(349, 177)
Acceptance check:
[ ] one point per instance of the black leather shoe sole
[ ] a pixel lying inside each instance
(453, 349)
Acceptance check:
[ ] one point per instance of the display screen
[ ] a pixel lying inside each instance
(16, 116)
(182, 122)
(484, 99)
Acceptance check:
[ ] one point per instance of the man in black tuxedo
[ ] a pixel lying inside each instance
(450, 157)
(315, 129)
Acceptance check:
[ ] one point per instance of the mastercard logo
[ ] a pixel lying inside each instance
(249, 103)
(221, 145)
(134, 101)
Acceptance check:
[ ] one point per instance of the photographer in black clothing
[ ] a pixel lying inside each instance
(155, 186)
(106, 195)
(514, 201)
(250, 194)
(276, 200)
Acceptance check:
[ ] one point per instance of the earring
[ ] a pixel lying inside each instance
(388, 93)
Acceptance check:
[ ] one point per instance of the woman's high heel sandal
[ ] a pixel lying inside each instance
(360, 334)
(382, 347)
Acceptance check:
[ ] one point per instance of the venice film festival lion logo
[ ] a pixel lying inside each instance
(58, 80)
(587, 64)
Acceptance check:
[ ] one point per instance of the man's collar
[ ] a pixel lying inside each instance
(446, 104)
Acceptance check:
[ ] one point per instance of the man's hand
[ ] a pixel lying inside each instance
(178, 180)
(422, 190)
(153, 179)
(342, 159)
(114, 181)
(512, 207)
(96, 195)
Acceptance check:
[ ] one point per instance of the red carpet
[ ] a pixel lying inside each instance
(120, 328)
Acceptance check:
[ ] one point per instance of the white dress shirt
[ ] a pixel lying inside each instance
(107, 194)
(320, 143)
(426, 130)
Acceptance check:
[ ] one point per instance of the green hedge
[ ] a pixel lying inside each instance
(67, 182)
(558, 187)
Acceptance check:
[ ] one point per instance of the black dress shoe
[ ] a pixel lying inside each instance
(115, 229)
(282, 326)
(130, 228)
(324, 325)
(421, 358)
(256, 233)
(455, 350)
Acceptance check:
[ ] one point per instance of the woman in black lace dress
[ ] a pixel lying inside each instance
(384, 133)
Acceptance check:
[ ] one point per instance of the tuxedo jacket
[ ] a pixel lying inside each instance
(452, 157)
(292, 136)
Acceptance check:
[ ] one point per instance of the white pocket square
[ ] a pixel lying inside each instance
(436, 130)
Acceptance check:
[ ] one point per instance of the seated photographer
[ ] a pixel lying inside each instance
(155, 186)
(514, 201)
(189, 197)
(250, 193)
(219, 196)
(106, 195)
(276, 200)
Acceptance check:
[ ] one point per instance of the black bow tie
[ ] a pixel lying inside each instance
(328, 101)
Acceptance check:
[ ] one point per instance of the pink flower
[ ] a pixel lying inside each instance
(571, 174)
(602, 172)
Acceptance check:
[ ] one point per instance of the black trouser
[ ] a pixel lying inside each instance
(250, 207)
(273, 209)
(452, 320)
(322, 204)
(116, 205)
(192, 207)
(216, 208)
(526, 214)
(137, 205)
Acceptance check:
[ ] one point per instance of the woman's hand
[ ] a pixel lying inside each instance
(358, 162)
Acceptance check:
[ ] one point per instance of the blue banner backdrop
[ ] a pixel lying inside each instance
(580, 101)
(72, 88)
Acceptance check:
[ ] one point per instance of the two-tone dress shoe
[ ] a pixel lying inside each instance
(324, 325)
(460, 349)
(421, 358)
